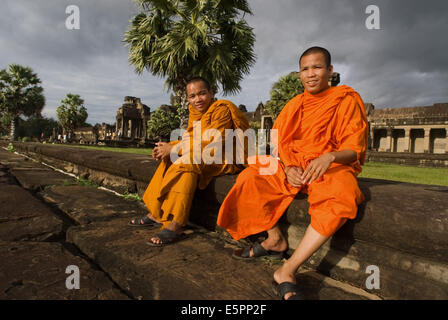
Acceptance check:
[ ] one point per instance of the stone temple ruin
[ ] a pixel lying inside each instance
(132, 120)
(415, 129)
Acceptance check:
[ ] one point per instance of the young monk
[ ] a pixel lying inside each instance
(322, 139)
(169, 195)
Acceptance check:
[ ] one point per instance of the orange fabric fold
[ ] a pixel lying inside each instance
(308, 126)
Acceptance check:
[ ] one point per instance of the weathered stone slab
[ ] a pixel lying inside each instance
(349, 261)
(34, 270)
(36, 179)
(23, 217)
(86, 204)
(197, 268)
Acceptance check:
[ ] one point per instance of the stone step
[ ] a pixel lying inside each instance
(197, 268)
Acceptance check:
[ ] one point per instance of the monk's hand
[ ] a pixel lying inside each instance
(294, 176)
(161, 151)
(317, 167)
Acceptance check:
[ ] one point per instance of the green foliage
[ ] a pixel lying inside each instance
(162, 122)
(20, 94)
(178, 39)
(34, 126)
(286, 88)
(255, 125)
(72, 113)
(11, 148)
(131, 196)
(87, 182)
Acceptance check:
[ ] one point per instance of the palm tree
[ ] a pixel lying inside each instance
(178, 39)
(20, 94)
(286, 88)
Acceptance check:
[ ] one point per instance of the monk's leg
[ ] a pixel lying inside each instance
(150, 197)
(176, 203)
(333, 200)
(309, 244)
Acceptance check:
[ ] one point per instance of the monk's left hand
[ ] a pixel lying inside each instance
(317, 168)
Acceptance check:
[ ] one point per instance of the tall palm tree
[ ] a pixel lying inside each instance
(20, 94)
(178, 39)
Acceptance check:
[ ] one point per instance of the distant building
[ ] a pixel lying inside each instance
(414, 129)
(131, 120)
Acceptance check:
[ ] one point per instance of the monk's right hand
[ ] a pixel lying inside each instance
(294, 176)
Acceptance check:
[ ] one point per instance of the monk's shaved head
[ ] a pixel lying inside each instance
(317, 50)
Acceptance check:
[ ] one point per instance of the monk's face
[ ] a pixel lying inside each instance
(315, 73)
(199, 96)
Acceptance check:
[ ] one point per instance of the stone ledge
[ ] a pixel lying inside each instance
(400, 227)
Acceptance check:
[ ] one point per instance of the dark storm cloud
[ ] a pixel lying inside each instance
(91, 61)
(403, 64)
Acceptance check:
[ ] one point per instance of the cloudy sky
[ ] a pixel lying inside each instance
(402, 64)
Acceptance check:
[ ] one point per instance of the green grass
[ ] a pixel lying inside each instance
(146, 151)
(394, 172)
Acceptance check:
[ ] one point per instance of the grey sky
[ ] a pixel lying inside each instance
(402, 64)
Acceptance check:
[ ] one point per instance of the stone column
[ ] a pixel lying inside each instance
(427, 141)
(446, 140)
(371, 138)
(407, 139)
(389, 140)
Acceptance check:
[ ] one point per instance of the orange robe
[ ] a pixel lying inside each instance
(170, 193)
(308, 126)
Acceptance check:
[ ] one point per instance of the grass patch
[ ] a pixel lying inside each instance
(145, 151)
(131, 196)
(395, 172)
(87, 183)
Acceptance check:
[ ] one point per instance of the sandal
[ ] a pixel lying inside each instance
(259, 252)
(166, 237)
(144, 222)
(289, 287)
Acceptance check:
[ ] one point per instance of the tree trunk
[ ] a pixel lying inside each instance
(181, 98)
(13, 131)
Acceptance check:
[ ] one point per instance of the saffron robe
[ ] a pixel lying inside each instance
(170, 193)
(308, 126)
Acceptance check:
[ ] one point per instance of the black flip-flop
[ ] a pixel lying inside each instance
(259, 252)
(167, 237)
(144, 222)
(289, 287)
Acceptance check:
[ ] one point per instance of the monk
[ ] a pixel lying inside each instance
(322, 139)
(170, 192)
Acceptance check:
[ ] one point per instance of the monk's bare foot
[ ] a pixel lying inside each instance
(286, 273)
(173, 226)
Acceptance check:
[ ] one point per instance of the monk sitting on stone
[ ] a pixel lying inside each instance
(169, 195)
(322, 139)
